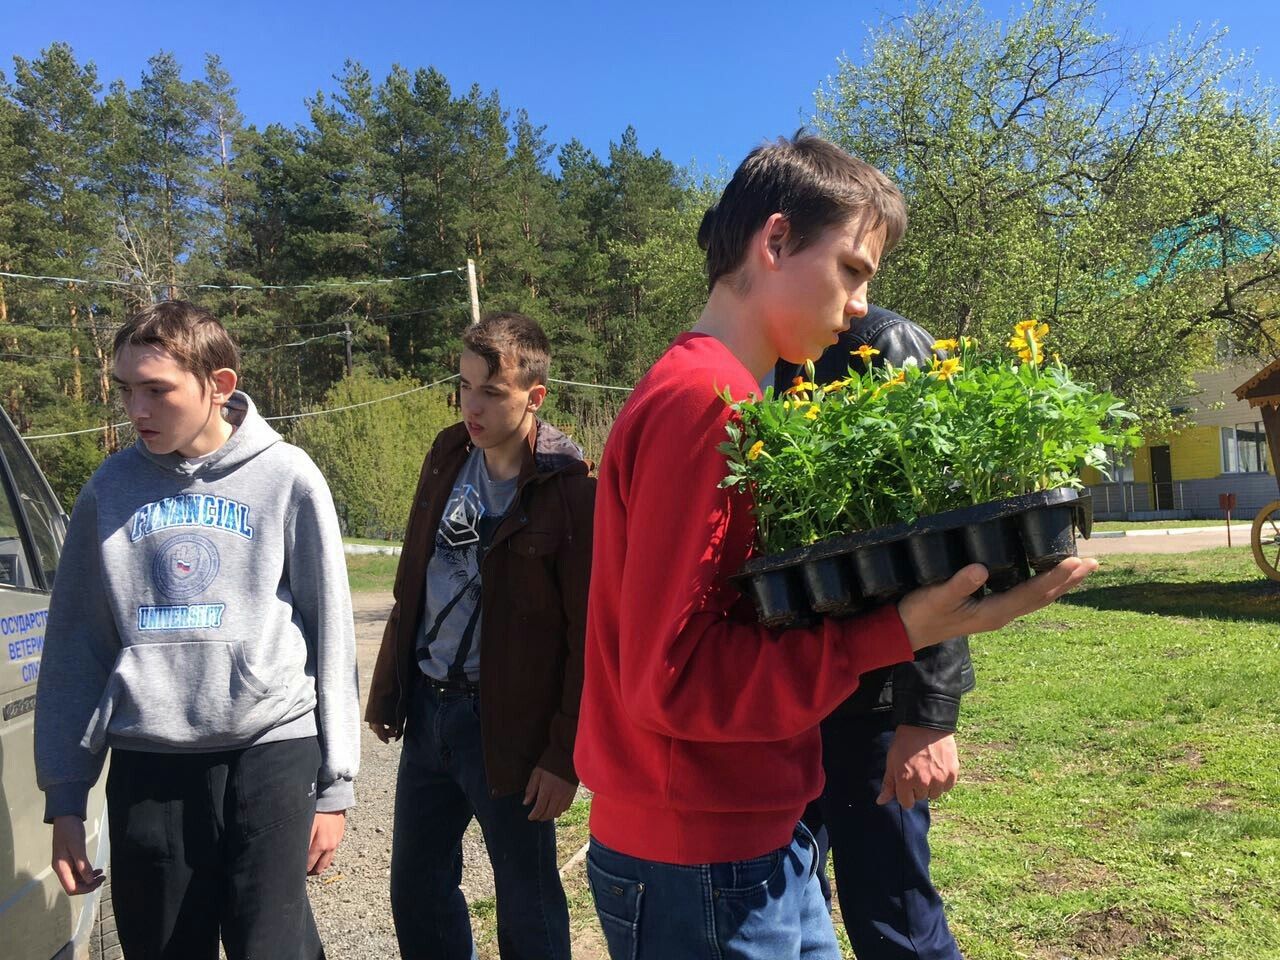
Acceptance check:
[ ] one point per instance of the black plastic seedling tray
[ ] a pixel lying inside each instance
(839, 576)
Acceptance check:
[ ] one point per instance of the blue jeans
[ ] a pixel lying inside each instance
(768, 908)
(890, 907)
(441, 785)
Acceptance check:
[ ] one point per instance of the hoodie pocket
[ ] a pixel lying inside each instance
(185, 694)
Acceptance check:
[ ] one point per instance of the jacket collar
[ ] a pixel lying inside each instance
(547, 453)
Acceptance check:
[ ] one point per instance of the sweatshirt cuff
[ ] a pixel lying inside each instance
(336, 796)
(66, 800)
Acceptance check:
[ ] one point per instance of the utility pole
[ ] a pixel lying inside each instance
(346, 337)
(475, 290)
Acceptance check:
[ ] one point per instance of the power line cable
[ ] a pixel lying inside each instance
(317, 413)
(74, 433)
(233, 325)
(285, 416)
(597, 386)
(152, 284)
(340, 334)
(363, 403)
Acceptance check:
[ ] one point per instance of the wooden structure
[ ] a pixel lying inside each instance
(1263, 390)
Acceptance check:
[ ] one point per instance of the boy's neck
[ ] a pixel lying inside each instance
(729, 318)
(216, 432)
(503, 462)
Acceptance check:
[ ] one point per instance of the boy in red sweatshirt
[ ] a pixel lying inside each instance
(698, 729)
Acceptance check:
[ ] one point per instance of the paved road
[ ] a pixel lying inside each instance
(1177, 543)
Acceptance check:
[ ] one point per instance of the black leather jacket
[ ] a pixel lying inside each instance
(925, 692)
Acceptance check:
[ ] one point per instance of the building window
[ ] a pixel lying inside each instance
(1120, 469)
(1244, 449)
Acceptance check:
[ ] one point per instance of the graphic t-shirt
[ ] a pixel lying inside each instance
(449, 638)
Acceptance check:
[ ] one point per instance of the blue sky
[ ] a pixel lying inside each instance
(699, 81)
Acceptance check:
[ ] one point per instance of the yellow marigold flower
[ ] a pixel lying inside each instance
(947, 369)
(897, 380)
(864, 353)
(835, 386)
(940, 346)
(812, 412)
(800, 386)
(1032, 328)
(754, 452)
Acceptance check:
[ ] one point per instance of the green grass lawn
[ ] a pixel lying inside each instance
(372, 542)
(371, 571)
(1120, 795)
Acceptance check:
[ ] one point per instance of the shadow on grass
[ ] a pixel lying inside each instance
(1215, 600)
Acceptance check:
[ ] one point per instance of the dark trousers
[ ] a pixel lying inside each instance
(211, 844)
(890, 908)
(440, 787)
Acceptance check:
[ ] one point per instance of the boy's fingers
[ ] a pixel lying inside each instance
(531, 791)
(321, 863)
(85, 868)
(66, 875)
(966, 580)
(1041, 590)
(887, 790)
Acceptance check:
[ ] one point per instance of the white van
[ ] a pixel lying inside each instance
(38, 920)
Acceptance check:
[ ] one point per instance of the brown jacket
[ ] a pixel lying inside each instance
(534, 581)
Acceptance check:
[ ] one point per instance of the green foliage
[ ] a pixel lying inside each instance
(1126, 195)
(891, 445)
(162, 186)
(372, 455)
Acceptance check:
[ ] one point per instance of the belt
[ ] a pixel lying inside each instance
(452, 686)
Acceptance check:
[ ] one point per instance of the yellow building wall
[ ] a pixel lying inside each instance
(1195, 453)
(1142, 465)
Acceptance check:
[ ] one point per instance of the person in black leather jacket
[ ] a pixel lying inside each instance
(890, 748)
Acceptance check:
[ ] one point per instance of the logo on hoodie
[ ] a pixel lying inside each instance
(185, 566)
(191, 510)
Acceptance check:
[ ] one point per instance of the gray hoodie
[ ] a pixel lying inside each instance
(199, 606)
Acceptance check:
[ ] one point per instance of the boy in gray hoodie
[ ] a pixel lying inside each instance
(200, 627)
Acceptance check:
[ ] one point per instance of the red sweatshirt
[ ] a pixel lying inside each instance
(698, 727)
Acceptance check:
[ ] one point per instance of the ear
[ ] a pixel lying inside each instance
(771, 240)
(224, 384)
(537, 396)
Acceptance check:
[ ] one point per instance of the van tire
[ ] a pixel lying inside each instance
(104, 942)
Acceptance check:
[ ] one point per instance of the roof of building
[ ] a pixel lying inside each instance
(1263, 388)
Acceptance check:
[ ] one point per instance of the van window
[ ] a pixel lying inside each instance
(13, 560)
(43, 514)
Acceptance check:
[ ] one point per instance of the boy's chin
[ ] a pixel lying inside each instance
(159, 445)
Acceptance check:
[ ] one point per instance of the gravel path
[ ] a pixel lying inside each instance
(352, 900)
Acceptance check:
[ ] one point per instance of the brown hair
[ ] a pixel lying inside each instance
(513, 339)
(191, 335)
(811, 182)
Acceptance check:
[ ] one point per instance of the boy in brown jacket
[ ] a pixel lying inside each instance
(480, 669)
